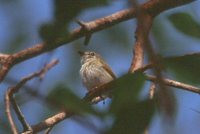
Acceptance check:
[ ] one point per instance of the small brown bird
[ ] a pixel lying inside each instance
(95, 72)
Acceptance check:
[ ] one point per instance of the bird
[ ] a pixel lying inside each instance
(95, 72)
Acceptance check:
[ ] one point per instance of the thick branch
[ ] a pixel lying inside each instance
(153, 8)
(55, 119)
(142, 33)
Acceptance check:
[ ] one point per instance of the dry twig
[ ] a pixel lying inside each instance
(152, 7)
(10, 98)
(51, 121)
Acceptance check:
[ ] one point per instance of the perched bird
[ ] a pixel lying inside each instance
(95, 72)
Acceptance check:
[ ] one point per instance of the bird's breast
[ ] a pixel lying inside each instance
(94, 75)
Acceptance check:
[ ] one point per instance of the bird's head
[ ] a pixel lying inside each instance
(88, 56)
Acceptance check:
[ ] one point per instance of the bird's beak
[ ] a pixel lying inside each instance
(80, 53)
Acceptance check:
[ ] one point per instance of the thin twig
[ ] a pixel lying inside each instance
(12, 90)
(105, 88)
(152, 7)
(102, 89)
(51, 121)
(152, 90)
(176, 84)
(19, 114)
(9, 115)
(48, 130)
(87, 29)
(145, 67)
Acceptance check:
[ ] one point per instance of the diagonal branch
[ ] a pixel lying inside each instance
(152, 7)
(176, 84)
(10, 98)
(55, 119)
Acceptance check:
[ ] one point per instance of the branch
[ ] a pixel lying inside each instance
(144, 24)
(152, 7)
(176, 84)
(8, 113)
(55, 119)
(152, 90)
(87, 29)
(51, 121)
(10, 98)
(48, 130)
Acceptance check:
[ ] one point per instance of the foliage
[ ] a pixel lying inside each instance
(185, 68)
(124, 107)
(63, 98)
(64, 12)
(185, 23)
(131, 114)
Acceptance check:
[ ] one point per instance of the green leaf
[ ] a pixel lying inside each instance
(130, 114)
(62, 97)
(185, 68)
(185, 23)
(65, 11)
(126, 90)
(133, 119)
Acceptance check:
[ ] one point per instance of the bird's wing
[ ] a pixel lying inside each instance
(109, 70)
